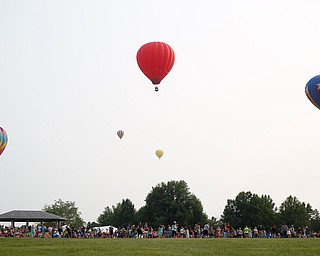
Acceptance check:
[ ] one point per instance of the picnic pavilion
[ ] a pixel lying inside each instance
(29, 216)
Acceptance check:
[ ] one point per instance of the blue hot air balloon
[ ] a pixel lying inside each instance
(313, 90)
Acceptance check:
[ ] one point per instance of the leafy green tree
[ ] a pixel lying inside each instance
(67, 210)
(106, 217)
(124, 213)
(293, 212)
(172, 201)
(315, 220)
(141, 215)
(120, 215)
(264, 208)
(249, 209)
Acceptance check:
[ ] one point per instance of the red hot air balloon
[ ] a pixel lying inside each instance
(120, 133)
(155, 60)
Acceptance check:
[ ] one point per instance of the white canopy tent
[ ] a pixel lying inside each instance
(105, 229)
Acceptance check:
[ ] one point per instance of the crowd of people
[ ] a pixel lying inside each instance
(170, 231)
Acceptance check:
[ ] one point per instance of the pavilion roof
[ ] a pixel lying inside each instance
(28, 215)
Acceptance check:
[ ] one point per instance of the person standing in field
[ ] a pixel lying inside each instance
(174, 229)
(139, 231)
(206, 230)
(225, 230)
(246, 232)
(160, 231)
(273, 231)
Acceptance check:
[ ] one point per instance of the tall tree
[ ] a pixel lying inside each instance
(124, 213)
(172, 201)
(265, 210)
(294, 212)
(67, 210)
(249, 209)
(106, 217)
(120, 215)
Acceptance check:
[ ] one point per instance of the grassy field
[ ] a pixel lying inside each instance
(91, 247)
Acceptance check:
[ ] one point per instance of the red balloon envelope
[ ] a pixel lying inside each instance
(155, 60)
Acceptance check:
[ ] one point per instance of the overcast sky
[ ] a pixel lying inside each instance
(231, 116)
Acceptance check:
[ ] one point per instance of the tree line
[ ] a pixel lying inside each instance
(173, 201)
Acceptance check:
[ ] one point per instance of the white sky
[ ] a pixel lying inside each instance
(231, 116)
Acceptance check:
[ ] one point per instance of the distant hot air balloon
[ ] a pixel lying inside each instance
(313, 90)
(155, 60)
(159, 153)
(3, 140)
(120, 133)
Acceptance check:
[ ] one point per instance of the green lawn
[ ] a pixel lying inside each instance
(192, 247)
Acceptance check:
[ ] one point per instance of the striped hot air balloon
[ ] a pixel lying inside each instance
(120, 133)
(3, 140)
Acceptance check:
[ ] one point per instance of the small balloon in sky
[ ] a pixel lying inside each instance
(120, 134)
(159, 153)
(3, 140)
(313, 90)
(155, 59)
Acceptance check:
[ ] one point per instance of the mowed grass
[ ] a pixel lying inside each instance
(92, 247)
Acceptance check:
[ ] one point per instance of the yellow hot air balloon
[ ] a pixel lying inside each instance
(159, 153)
